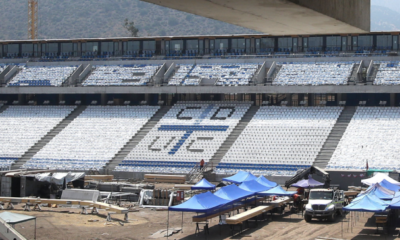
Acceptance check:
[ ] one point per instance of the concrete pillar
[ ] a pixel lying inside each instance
(310, 99)
(22, 186)
(103, 99)
(147, 98)
(393, 99)
(61, 97)
(21, 98)
(289, 99)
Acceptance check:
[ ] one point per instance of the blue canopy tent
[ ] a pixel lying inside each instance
(200, 203)
(367, 204)
(276, 191)
(388, 185)
(379, 191)
(395, 203)
(240, 177)
(203, 185)
(263, 181)
(253, 186)
(233, 193)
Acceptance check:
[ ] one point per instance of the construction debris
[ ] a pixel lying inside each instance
(164, 233)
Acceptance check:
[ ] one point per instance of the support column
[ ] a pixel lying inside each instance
(61, 97)
(103, 99)
(310, 99)
(289, 99)
(393, 99)
(21, 98)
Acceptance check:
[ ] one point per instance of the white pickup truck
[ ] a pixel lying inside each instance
(324, 204)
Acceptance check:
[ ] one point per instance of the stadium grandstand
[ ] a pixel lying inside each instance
(267, 104)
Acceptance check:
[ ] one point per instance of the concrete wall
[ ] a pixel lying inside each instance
(354, 12)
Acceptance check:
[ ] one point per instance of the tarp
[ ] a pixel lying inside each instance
(204, 184)
(201, 203)
(253, 186)
(307, 183)
(366, 204)
(379, 177)
(263, 181)
(58, 177)
(379, 191)
(14, 218)
(240, 177)
(392, 187)
(276, 191)
(395, 203)
(233, 193)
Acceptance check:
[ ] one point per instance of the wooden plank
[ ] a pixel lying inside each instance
(183, 186)
(241, 217)
(351, 193)
(99, 177)
(99, 205)
(165, 176)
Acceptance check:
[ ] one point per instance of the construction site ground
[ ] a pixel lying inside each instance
(68, 223)
(57, 223)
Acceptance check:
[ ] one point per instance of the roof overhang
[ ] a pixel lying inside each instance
(282, 17)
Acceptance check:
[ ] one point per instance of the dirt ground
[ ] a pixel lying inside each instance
(56, 223)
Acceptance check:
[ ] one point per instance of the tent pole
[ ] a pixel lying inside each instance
(182, 223)
(35, 229)
(167, 223)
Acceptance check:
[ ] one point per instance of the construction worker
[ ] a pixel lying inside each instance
(201, 164)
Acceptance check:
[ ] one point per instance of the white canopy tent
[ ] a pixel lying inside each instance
(379, 177)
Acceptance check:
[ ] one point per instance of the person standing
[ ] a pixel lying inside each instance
(201, 164)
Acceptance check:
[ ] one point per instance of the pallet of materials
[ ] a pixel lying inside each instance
(165, 178)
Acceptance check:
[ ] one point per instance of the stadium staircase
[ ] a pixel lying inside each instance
(270, 80)
(233, 136)
(374, 72)
(125, 150)
(353, 76)
(48, 137)
(3, 108)
(334, 137)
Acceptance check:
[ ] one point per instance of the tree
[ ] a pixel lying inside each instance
(130, 27)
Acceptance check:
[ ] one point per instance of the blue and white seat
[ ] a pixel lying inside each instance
(224, 74)
(280, 140)
(22, 126)
(121, 75)
(388, 73)
(313, 73)
(180, 74)
(42, 76)
(188, 133)
(93, 138)
(372, 137)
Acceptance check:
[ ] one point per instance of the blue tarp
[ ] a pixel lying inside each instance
(240, 177)
(253, 186)
(201, 203)
(263, 181)
(204, 184)
(233, 193)
(388, 185)
(395, 203)
(276, 191)
(367, 204)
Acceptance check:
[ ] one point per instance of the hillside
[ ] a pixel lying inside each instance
(384, 19)
(104, 18)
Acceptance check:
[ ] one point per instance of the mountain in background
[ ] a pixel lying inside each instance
(104, 19)
(384, 19)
